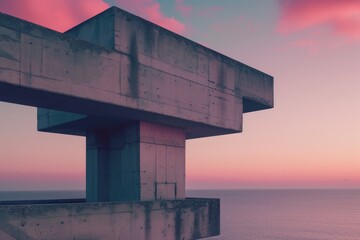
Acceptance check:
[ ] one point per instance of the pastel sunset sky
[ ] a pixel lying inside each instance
(311, 139)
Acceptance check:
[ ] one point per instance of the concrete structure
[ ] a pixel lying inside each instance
(136, 92)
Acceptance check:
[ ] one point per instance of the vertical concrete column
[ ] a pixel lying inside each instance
(112, 166)
(141, 161)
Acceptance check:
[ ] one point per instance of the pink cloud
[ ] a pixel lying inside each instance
(150, 9)
(341, 17)
(183, 8)
(54, 14)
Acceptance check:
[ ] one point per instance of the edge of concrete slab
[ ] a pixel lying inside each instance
(191, 218)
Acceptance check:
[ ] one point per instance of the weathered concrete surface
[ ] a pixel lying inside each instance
(178, 219)
(136, 91)
(141, 161)
(168, 55)
(133, 70)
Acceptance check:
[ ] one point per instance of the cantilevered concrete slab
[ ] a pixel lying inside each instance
(129, 69)
(136, 91)
(160, 72)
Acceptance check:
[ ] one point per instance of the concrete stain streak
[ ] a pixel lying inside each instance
(148, 209)
(178, 224)
(222, 75)
(134, 68)
(214, 220)
(149, 39)
(196, 225)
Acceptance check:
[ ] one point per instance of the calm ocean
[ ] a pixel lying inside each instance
(268, 214)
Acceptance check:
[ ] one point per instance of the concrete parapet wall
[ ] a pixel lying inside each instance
(178, 219)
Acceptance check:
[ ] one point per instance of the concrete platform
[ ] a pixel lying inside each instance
(176, 219)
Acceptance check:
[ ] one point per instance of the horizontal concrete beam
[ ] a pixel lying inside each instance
(177, 219)
(126, 68)
(168, 52)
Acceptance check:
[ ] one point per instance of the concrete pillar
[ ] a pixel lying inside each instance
(140, 161)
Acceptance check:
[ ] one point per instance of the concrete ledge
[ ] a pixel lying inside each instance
(177, 219)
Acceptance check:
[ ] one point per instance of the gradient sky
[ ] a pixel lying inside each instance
(311, 139)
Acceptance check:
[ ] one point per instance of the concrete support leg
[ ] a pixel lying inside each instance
(141, 161)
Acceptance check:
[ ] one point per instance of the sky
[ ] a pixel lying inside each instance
(310, 139)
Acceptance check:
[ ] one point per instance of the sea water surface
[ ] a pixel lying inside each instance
(267, 214)
(288, 214)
